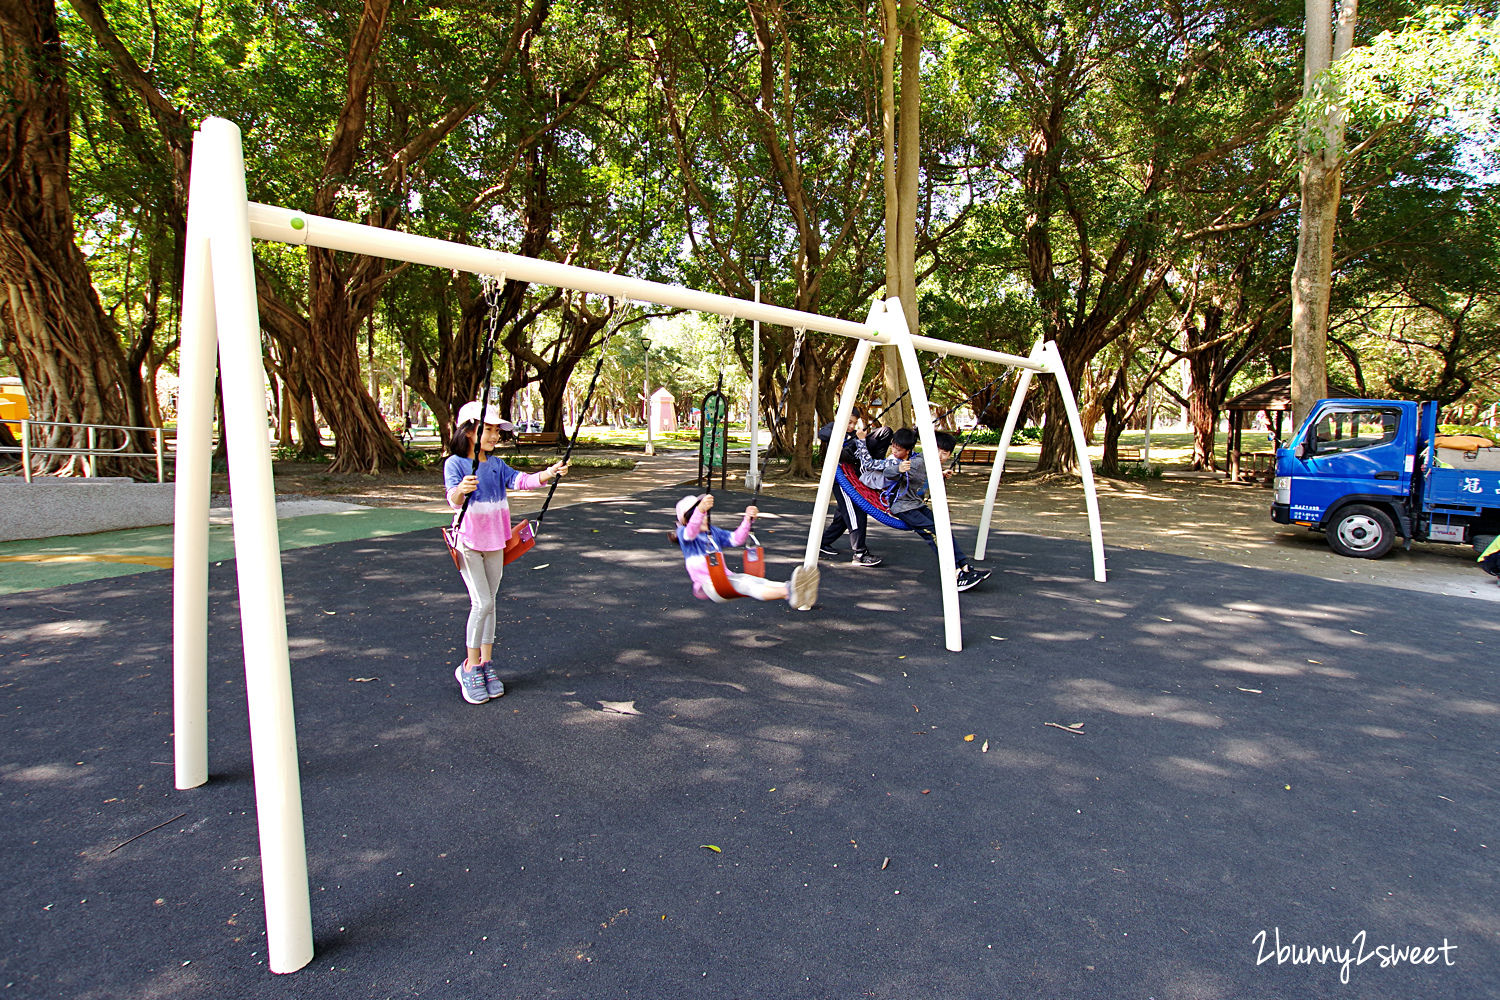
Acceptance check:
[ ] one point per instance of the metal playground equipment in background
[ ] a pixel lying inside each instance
(220, 314)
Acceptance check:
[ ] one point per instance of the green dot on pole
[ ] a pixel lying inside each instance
(298, 222)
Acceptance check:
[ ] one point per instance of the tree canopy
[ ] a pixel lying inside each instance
(1120, 178)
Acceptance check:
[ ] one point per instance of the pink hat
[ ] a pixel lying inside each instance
(686, 505)
(469, 413)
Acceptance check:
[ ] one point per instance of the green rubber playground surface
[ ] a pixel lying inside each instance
(37, 564)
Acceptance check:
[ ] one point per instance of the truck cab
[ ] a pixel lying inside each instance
(1366, 472)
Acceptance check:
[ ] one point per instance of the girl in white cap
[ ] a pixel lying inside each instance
(481, 535)
(698, 539)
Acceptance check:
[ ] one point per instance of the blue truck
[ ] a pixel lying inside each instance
(1366, 472)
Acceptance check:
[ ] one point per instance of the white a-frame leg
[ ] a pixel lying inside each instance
(219, 309)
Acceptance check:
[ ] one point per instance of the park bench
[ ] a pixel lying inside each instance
(1128, 454)
(977, 455)
(539, 439)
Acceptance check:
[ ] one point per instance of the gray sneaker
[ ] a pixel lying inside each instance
(471, 684)
(492, 684)
(866, 558)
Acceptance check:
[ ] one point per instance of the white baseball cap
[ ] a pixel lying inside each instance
(686, 504)
(469, 413)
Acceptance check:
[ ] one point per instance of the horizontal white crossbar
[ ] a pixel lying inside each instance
(283, 225)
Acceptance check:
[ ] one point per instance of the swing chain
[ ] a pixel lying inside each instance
(963, 438)
(489, 285)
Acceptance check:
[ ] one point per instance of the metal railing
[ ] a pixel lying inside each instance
(92, 449)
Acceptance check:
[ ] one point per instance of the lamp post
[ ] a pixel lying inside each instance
(646, 395)
(752, 477)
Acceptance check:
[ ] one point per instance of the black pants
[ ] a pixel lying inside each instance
(846, 517)
(919, 519)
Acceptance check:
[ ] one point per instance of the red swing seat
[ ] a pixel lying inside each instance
(753, 564)
(522, 538)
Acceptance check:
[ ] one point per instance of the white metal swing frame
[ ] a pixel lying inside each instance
(220, 315)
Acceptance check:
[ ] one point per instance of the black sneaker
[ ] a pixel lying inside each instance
(866, 559)
(969, 577)
(830, 551)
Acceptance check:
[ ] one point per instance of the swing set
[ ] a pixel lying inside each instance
(221, 323)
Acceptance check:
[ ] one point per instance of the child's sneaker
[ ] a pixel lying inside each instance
(969, 577)
(829, 551)
(865, 558)
(471, 683)
(493, 686)
(802, 588)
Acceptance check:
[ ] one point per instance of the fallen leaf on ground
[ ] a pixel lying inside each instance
(969, 738)
(711, 847)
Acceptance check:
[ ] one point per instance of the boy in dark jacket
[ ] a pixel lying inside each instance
(905, 484)
(847, 516)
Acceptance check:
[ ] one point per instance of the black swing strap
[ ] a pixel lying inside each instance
(963, 441)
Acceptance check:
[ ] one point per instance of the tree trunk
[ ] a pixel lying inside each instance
(1111, 403)
(1322, 181)
(64, 349)
(1204, 417)
(363, 442)
(901, 134)
(802, 410)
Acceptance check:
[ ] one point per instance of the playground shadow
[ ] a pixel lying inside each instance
(1135, 788)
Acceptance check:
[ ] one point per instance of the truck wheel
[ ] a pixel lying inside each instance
(1361, 532)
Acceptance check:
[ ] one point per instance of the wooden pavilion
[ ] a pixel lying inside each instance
(1272, 397)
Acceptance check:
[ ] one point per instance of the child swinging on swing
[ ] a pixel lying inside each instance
(697, 539)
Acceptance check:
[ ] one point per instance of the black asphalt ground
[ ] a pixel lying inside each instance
(1267, 764)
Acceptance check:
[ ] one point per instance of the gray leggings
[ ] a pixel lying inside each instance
(481, 572)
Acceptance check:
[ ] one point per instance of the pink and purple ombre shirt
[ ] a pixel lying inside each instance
(486, 527)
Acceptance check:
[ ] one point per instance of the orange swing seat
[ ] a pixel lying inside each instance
(753, 564)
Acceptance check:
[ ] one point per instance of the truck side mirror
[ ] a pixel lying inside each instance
(1300, 451)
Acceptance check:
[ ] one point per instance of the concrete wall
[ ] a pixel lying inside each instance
(48, 506)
